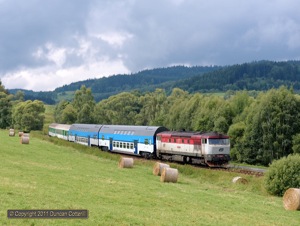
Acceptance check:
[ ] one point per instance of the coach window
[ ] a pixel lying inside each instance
(131, 145)
(102, 137)
(146, 141)
(204, 141)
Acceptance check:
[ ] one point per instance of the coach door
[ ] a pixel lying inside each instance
(111, 143)
(135, 146)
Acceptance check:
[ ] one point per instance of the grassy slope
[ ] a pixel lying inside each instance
(62, 175)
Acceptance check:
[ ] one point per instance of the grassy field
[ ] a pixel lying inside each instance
(51, 174)
(68, 95)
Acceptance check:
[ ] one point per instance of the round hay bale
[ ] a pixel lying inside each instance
(291, 199)
(25, 135)
(126, 162)
(11, 132)
(239, 180)
(24, 140)
(20, 134)
(169, 175)
(158, 167)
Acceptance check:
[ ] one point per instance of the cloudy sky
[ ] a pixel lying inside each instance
(45, 44)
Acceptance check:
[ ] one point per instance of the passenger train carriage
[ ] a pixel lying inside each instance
(86, 134)
(138, 140)
(149, 141)
(59, 130)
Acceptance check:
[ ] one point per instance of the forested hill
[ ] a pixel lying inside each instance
(146, 80)
(261, 75)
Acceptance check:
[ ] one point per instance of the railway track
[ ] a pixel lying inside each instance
(243, 170)
(230, 168)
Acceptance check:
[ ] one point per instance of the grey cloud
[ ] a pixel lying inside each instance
(152, 34)
(26, 25)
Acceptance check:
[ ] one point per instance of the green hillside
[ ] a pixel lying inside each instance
(146, 80)
(259, 76)
(51, 174)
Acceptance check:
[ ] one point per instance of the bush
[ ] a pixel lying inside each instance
(283, 174)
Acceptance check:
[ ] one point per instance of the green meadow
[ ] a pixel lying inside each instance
(52, 174)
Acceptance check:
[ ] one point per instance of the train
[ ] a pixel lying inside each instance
(151, 142)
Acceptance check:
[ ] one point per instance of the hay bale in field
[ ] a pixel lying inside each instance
(20, 133)
(239, 180)
(169, 175)
(25, 135)
(126, 162)
(158, 167)
(24, 140)
(291, 199)
(11, 132)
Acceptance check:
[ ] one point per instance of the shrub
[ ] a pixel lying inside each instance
(283, 174)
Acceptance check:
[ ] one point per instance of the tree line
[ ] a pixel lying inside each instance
(258, 75)
(19, 114)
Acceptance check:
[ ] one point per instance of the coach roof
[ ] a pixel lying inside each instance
(132, 130)
(86, 127)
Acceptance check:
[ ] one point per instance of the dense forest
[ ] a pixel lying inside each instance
(47, 97)
(258, 76)
(261, 75)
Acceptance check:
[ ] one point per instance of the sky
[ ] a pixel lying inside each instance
(45, 44)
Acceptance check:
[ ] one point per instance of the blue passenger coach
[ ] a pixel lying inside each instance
(138, 140)
(86, 134)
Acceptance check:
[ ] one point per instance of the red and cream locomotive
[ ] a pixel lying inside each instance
(212, 149)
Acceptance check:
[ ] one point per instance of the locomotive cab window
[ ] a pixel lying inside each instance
(218, 141)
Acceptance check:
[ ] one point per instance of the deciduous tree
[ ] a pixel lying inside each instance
(28, 115)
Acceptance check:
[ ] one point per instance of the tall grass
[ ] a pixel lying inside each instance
(53, 174)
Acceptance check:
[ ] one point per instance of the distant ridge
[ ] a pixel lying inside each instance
(257, 75)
